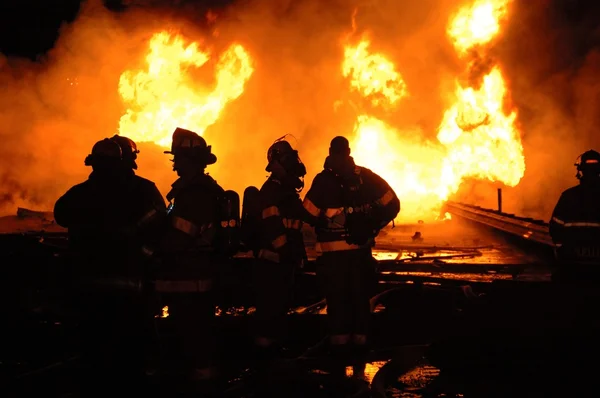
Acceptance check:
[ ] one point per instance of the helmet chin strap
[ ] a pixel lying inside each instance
(300, 186)
(284, 176)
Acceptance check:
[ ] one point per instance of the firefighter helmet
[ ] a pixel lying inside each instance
(277, 151)
(189, 144)
(104, 150)
(285, 163)
(282, 152)
(588, 164)
(128, 149)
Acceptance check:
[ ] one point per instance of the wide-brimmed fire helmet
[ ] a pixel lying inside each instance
(189, 144)
(128, 148)
(103, 151)
(588, 164)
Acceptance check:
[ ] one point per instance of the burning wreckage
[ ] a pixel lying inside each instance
(464, 305)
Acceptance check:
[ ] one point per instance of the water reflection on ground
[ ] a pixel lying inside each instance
(370, 371)
(234, 311)
(415, 383)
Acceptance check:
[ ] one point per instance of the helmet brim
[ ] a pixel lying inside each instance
(212, 158)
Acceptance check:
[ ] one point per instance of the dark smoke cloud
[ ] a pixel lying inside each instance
(551, 57)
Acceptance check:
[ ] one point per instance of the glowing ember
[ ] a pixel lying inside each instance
(164, 313)
(164, 97)
(475, 138)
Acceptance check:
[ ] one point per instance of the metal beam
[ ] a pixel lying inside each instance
(525, 228)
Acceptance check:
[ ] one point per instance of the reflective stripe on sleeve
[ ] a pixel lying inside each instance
(310, 207)
(270, 212)
(582, 224)
(279, 241)
(332, 212)
(576, 224)
(189, 227)
(184, 225)
(268, 255)
(386, 198)
(147, 217)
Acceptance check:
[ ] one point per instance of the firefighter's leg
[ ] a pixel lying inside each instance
(273, 284)
(179, 319)
(112, 348)
(334, 276)
(133, 336)
(192, 315)
(94, 343)
(203, 340)
(152, 343)
(363, 279)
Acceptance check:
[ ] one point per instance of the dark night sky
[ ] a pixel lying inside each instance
(30, 27)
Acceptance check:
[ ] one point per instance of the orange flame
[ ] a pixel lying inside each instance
(372, 75)
(163, 97)
(481, 140)
(475, 138)
(477, 24)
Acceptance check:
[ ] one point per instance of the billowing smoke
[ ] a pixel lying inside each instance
(551, 59)
(53, 111)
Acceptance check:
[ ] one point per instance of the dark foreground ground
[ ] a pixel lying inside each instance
(458, 312)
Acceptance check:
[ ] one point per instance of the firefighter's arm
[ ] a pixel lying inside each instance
(63, 209)
(182, 227)
(558, 220)
(157, 199)
(387, 204)
(272, 225)
(151, 223)
(314, 201)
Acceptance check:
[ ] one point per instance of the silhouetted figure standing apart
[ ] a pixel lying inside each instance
(353, 204)
(113, 221)
(575, 223)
